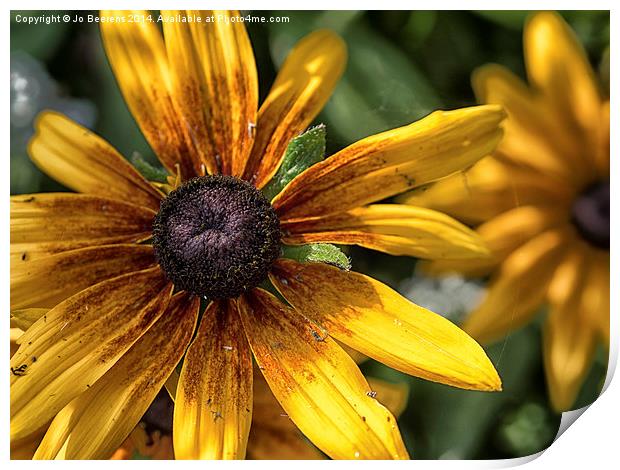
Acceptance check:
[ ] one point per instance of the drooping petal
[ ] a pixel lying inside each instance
(76, 342)
(137, 55)
(489, 188)
(519, 287)
(214, 78)
(317, 383)
(396, 229)
(558, 66)
(534, 135)
(503, 235)
(392, 162)
(273, 435)
(213, 405)
(86, 163)
(95, 424)
(47, 281)
(369, 316)
(569, 340)
(50, 223)
(303, 85)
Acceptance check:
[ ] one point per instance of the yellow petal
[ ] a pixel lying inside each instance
(596, 293)
(84, 162)
(96, 423)
(14, 335)
(601, 155)
(392, 228)
(213, 404)
(214, 77)
(558, 66)
(46, 224)
(303, 85)
(317, 383)
(369, 316)
(489, 188)
(25, 318)
(76, 342)
(519, 288)
(568, 341)
(47, 281)
(503, 235)
(273, 435)
(534, 135)
(391, 162)
(137, 55)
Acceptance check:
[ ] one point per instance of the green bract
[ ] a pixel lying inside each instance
(302, 152)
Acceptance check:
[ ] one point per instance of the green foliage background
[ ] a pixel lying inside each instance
(402, 65)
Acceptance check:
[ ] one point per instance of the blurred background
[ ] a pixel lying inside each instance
(402, 65)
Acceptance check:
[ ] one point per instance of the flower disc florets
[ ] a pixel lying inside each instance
(216, 236)
(591, 214)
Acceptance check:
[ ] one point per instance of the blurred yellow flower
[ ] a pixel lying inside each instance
(541, 203)
(126, 262)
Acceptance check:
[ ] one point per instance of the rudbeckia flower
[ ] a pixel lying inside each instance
(114, 275)
(541, 203)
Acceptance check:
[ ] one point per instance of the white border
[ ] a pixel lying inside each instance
(592, 442)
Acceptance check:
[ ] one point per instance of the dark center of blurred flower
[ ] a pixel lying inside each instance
(216, 236)
(591, 214)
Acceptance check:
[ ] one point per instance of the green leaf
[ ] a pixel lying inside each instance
(149, 171)
(527, 429)
(302, 152)
(317, 253)
(511, 19)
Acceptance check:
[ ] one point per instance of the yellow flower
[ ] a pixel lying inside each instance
(541, 203)
(111, 279)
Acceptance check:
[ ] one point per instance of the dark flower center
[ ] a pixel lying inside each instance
(216, 236)
(591, 214)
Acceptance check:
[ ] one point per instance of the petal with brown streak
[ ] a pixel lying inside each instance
(95, 424)
(137, 55)
(367, 315)
(396, 229)
(76, 342)
(213, 404)
(215, 84)
(317, 383)
(50, 223)
(303, 85)
(84, 162)
(392, 162)
(47, 281)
